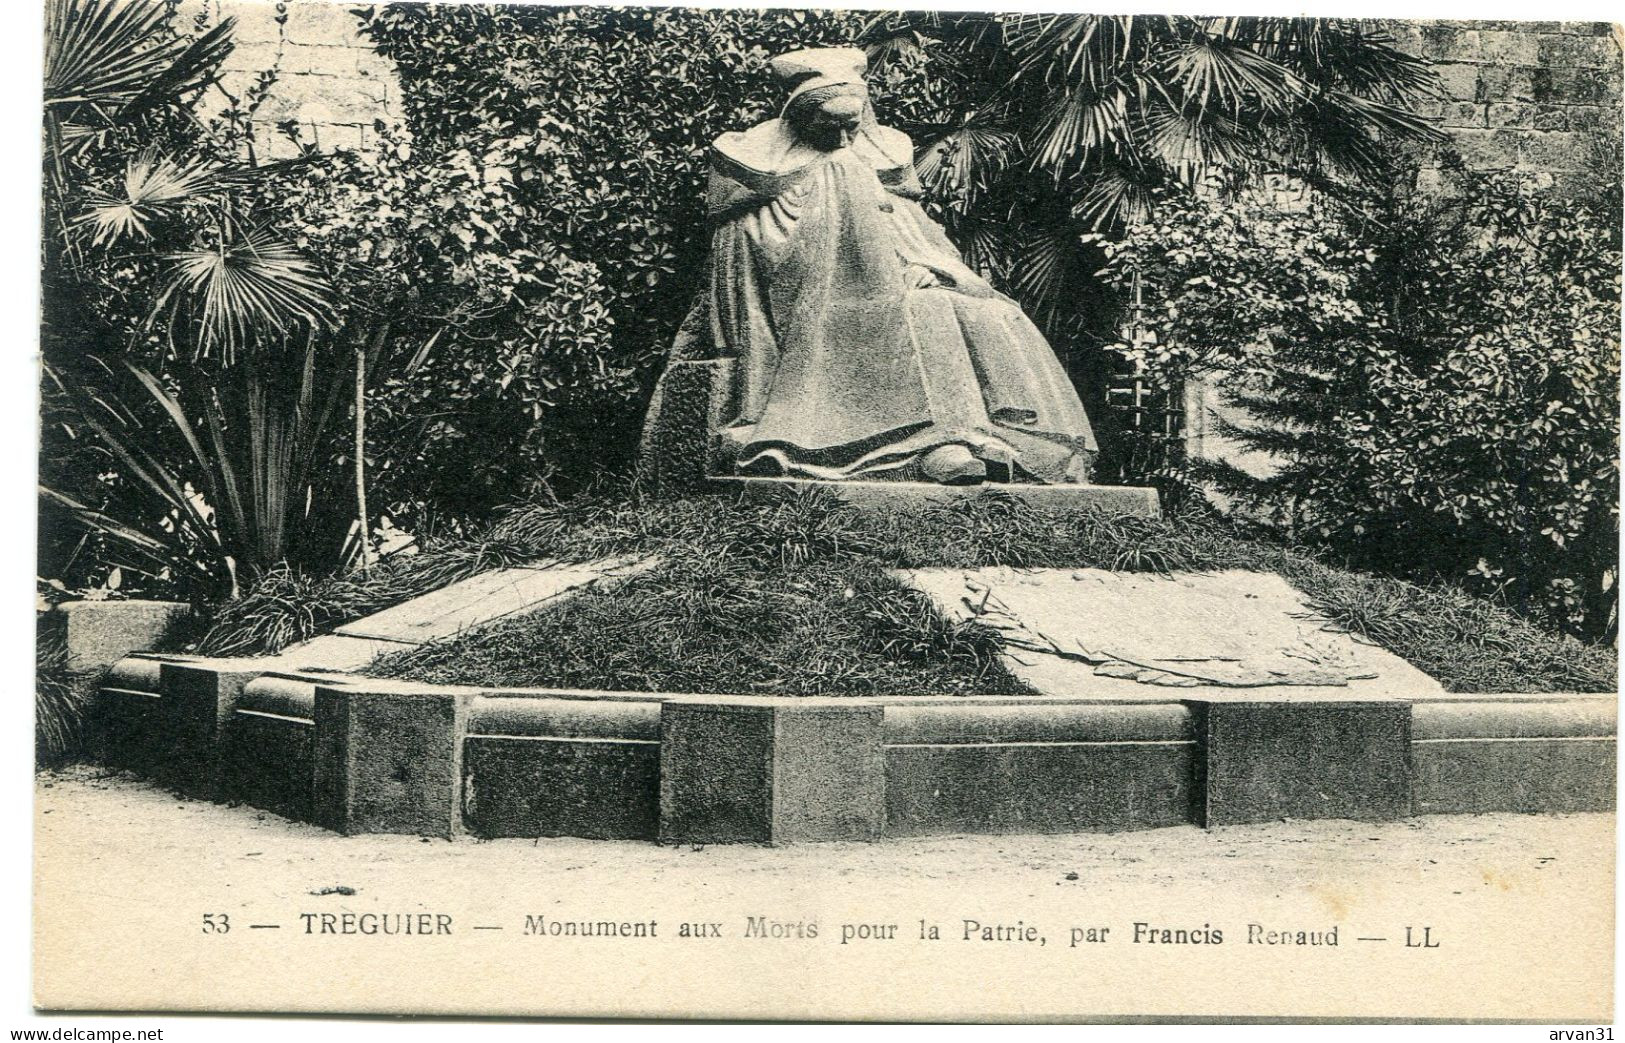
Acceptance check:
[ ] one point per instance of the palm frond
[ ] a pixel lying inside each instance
(99, 51)
(1042, 266)
(1079, 126)
(1194, 144)
(1074, 50)
(193, 69)
(968, 159)
(1210, 70)
(153, 184)
(1115, 198)
(109, 53)
(236, 292)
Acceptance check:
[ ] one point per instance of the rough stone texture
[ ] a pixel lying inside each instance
(1088, 632)
(1036, 721)
(389, 758)
(100, 633)
(606, 789)
(770, 772)
(589, 718)
(198, 700)
(677, 452)
(1138, 501)
(1523, 754)
(128, 730)
(1547, 776)
(1531, 96)
(330, 83)
(1038, 787)
(269, 761)
(1036, 767)
(1271, 760)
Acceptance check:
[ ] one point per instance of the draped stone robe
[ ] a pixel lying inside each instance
(861, 340)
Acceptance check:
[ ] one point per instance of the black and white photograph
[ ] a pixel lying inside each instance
(819, 515)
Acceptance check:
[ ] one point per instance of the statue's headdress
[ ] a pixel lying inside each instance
(818, 67)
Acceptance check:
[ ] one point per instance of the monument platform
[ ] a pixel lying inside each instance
(1135, 500)
(1209, 699)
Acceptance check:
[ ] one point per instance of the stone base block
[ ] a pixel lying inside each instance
(1038, 787)
(1543, 776)
(528, 786)
(678, 451)
(1133, 500)
(197, 703)
(770, 773)
(269, 761)
(389, 758)
(128, 730)
(100, 633)
(1542, 755)
(1272, 760)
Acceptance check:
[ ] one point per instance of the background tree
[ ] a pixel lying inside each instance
(1435, 378)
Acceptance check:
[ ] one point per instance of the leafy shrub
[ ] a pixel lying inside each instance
(1436, 377)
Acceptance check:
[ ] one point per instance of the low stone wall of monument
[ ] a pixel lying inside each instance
(360, 755)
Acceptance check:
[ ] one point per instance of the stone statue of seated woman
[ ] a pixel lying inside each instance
(850, 339)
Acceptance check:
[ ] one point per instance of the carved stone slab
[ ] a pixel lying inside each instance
(1089, 632)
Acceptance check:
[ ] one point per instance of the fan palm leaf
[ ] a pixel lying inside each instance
(1191, 143)
(968, 159)
(1079, 126)
(153, 184)
(1074, 50)
(1042, 266)
(234, 293)
(1211, 70)
(1115, 197)
(109, 53)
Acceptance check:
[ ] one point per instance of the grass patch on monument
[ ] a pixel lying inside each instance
(729, 626)
(792, 597)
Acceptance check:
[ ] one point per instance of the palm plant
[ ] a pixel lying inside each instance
(199, 416)
(1065, 125)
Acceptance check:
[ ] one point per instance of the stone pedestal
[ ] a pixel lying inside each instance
(1135, 500)
(1269, 760)
(678, 452)
(770, 773)
(100, 633)
(389, 758)
(194, 712)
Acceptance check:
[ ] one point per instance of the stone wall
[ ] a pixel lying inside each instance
(330, 84)
(1531, 96)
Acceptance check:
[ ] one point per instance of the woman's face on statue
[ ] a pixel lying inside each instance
(829, 118)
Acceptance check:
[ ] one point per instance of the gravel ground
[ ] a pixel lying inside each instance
(1517, 913)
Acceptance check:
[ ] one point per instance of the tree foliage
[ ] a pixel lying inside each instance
(535, 232)
(1047, 127)
(1436, 377)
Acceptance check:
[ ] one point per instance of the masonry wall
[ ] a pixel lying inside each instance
(1542, 97)
(330, 87)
